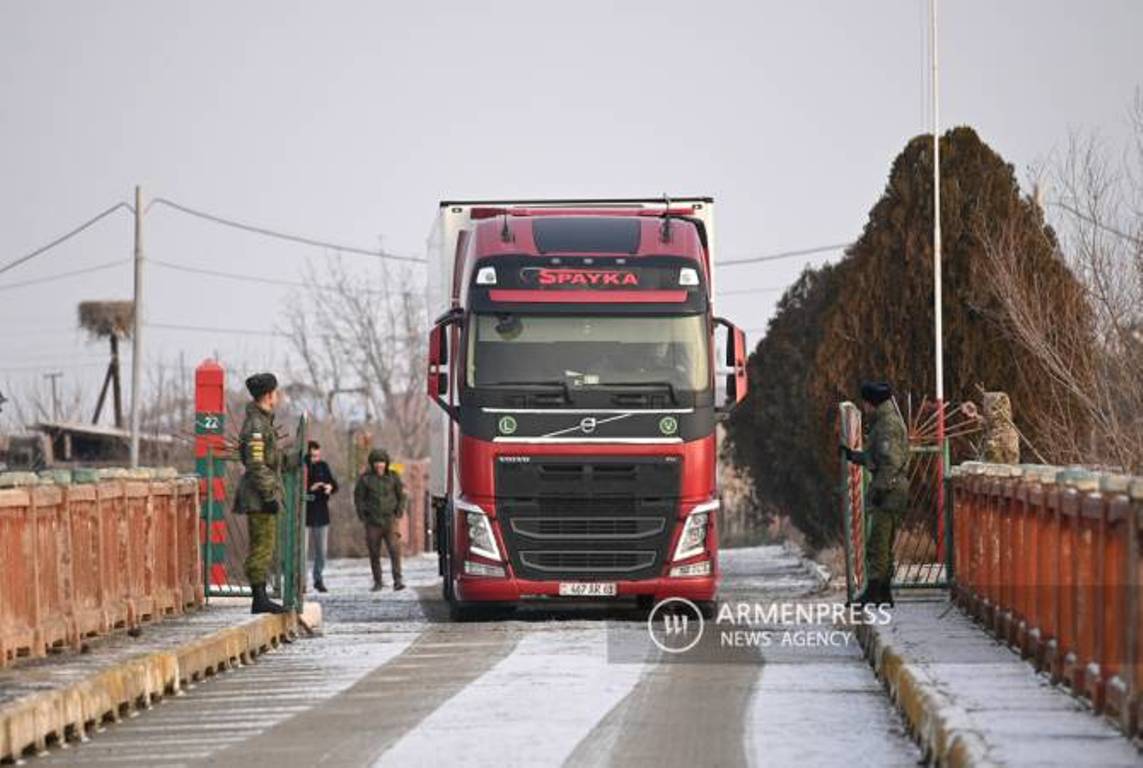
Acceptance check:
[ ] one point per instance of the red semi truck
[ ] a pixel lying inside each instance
(574, 362)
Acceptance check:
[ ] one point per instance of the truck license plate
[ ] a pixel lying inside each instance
(587, 589)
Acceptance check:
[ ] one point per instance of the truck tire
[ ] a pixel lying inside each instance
(444, 553)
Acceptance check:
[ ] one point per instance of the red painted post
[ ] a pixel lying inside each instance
(17, 620)
(1026, 552)
(209, 428)
(1133, 662)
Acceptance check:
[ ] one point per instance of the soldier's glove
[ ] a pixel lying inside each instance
(270, 507)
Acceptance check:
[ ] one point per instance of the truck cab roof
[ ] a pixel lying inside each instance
(555, 233)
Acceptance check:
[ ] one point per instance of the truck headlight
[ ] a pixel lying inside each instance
(481, 541)
(693, 539)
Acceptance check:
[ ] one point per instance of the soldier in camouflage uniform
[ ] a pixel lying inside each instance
(1001, 444)
(887, 458)
(380, 500)
(260, 492)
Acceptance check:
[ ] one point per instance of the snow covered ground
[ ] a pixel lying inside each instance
(391, 682)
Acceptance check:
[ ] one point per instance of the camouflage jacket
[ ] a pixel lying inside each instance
(379, 499)
(887, 449)
(262, 461)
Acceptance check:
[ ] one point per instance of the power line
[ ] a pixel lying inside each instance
(252, 278)
(37, 332)
(1134, 239)
(227, 275)
(63, 238)
(740, 291)
(280, 235)
(48, 366)
(784, 255)
(205, 329)
(62, 275)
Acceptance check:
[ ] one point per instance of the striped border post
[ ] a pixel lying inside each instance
(209, 449)
(852, 500)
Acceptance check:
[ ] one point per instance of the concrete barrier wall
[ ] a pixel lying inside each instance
(84, 558)
(1049, 560)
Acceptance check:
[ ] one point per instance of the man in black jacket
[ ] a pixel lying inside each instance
(322, 485)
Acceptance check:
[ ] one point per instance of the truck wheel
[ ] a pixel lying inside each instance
(446, 584)
(445, 556)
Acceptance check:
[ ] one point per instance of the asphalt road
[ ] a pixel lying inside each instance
(391, 682)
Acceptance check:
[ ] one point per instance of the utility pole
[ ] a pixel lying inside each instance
(937, 305)
(137, 331)
(53, 377)
(943, 527)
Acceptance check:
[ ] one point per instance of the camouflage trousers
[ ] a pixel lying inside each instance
(884, 510)
(263, 533)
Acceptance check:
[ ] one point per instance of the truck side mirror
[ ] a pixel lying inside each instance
(438, 356)
(735, 366)
(738, 391)
(438, 373)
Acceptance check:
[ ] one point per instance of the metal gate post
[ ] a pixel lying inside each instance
(291, 542)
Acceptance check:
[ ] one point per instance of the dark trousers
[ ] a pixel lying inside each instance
(374, 535)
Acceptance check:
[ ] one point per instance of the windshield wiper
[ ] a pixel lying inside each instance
(560, 385)
(644, 385)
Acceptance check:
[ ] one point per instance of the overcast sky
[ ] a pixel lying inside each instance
(349, 121)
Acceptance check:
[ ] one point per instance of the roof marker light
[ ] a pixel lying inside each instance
(688, 276)
(486, 276)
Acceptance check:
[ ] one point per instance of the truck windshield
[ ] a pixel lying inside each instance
(588, 351)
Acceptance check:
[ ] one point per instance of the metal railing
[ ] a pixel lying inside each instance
(1049, 560)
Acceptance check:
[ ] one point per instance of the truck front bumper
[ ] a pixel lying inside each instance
(482, 589)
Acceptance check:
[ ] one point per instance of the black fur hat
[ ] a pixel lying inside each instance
(875, 392)
(261, 384)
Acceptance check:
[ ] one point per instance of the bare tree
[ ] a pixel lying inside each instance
(367, 334)
(1092, 347)
(32, 403)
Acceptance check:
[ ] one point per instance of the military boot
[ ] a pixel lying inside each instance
(870, 595)
(262, 602)
(884, 593)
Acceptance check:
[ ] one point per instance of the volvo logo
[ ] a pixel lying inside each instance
(587, 426)
(507, 425)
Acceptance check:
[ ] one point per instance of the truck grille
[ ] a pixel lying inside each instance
(563, 561)
(587, 518)
(587, 527)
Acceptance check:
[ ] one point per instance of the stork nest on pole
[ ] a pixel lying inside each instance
(104, 319)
